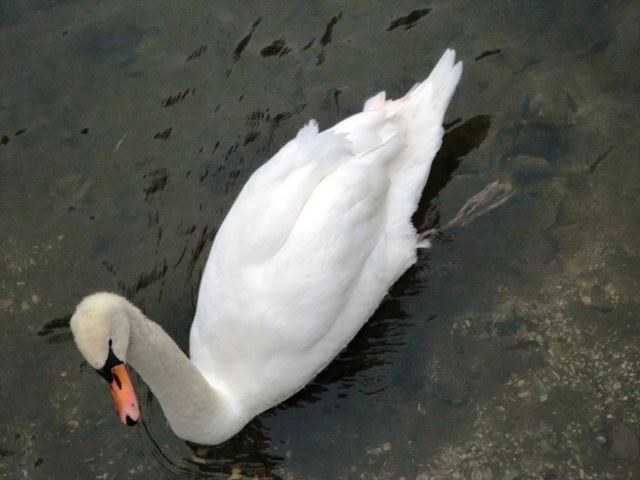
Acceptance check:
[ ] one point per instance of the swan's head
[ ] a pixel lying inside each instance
(100, 327)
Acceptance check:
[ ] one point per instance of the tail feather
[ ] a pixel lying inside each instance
(421, 112)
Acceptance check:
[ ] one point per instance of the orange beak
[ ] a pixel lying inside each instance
(124, 398)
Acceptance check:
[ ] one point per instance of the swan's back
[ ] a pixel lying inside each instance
(314, 241)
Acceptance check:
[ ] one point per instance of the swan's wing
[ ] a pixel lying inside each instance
(271, 202)
(287, 257)
(318, 269)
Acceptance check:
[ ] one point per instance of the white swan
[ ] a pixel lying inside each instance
(307, 252)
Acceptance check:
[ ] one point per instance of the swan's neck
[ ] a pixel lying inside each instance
(196, 410)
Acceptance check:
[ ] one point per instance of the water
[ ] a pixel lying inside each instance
(509, 351)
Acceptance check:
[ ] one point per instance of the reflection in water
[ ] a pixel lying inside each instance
(246, 453)
(487, 53)
(408, 21)
(237, 52)
(56, 331)
(326, 38)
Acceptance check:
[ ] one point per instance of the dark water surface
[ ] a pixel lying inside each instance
(511, 350)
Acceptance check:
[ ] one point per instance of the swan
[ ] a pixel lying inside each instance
(308, 250)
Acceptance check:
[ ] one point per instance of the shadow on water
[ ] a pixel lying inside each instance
(458, 141)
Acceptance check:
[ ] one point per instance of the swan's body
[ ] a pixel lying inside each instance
(309, 249)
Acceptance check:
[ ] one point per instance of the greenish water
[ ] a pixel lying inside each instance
(511, 350)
